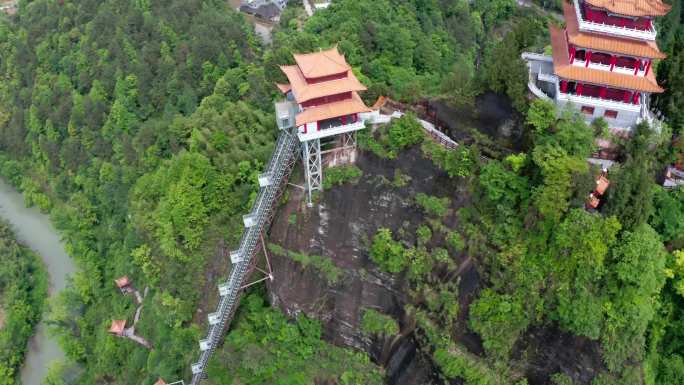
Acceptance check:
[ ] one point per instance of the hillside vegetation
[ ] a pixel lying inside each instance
(141, 126)
(21, 301)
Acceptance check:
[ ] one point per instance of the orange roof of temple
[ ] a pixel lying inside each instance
(633, 7)
(332, 110)
(322, 63)
(118, 327)
(160, 382)
(593, 201)
(304, 91)
(602, 185)
(563, 68)
(122, 282)
(607, 43)
(284, 88)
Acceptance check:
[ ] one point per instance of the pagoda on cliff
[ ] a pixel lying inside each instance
(324, 110)
(602, 62)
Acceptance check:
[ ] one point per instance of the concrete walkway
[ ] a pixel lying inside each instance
(308, 8)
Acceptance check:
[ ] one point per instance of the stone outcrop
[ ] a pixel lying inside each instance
(340, 227)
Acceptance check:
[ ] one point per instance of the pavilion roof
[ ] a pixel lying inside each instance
(602, 184)
(593, 201)
(332, 110)
(122, 282)
(284, 88)
(321, 63)
(631, 47)
(304, 91)
(160, 382)
(118, 326)
(565, 70)
(633, 7)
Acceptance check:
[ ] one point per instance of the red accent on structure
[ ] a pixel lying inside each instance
(564, 86)
(613, 61)
(587, 58)
(318, 126)
(648, 67)
(344, 119)
(602, 92)
(602, 17)
(328, 78)
(327, 99)
(636, 97)
(578, 89)
(637, 64)
(572, 51)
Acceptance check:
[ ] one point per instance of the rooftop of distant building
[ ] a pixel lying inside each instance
(633, 7)
(599, 42)
(564, 69)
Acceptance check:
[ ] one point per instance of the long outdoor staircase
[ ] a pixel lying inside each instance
(271, 185)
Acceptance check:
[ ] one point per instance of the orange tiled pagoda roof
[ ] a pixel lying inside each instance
(633, 7)
(308, 81)
(600, 42)
(160, 382)
(322, 63)
(304, 91)
(565, 70)
(332, 110)
(122, 282)
(118, 326)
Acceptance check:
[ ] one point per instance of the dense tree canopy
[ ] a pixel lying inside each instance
(141, 126)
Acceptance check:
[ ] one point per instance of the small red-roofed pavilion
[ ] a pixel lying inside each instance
(160, 382)
(593, 202)
(322, 107)
(602, 184)
(118, 327)
(123, 282)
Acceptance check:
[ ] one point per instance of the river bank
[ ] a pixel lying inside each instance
(34, 229)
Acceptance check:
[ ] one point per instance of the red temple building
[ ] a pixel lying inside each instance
(602, 61)
(323, 108)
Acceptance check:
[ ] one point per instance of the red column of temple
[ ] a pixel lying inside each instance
(578, 89)
(637, 64)
(572, 54)
(344, 119)
(627, 96)
(603, 92)
(564, 86)
(318, 125)
(613, 61)
(636, 98)
(587, 58)
(648, 67)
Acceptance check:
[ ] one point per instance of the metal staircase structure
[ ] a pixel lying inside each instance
(271, 185)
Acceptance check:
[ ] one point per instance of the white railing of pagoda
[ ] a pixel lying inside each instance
(606, 67)
(598, 102)
(616, 30)
(243, 258)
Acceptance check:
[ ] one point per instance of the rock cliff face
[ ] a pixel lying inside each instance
(340, 227)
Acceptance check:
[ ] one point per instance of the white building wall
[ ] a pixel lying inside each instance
(626, 119)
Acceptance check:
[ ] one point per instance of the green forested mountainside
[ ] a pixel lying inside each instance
(23, 289)
(140, 125)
